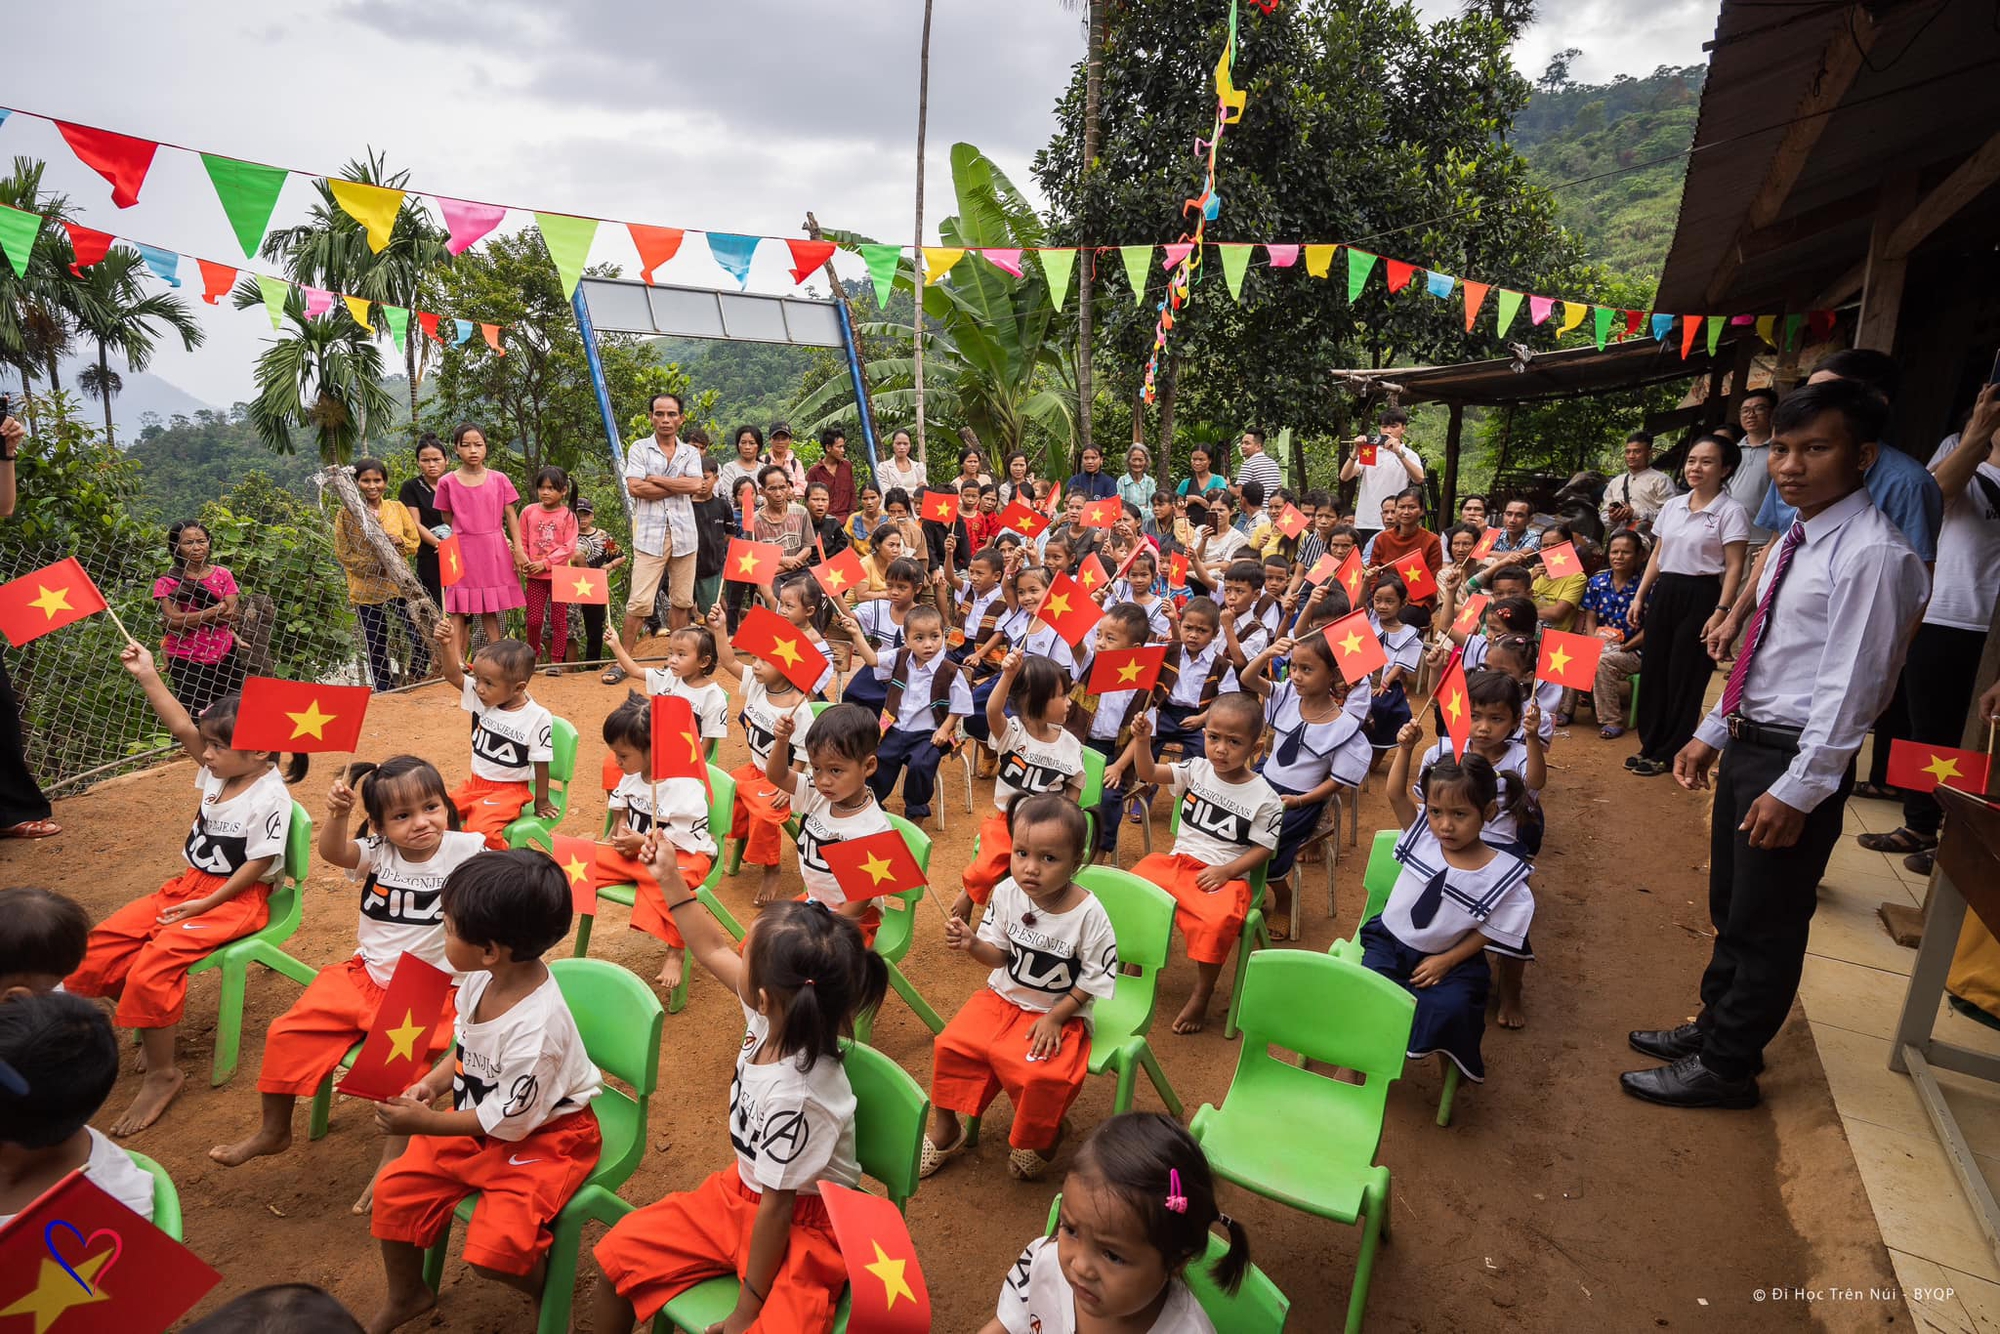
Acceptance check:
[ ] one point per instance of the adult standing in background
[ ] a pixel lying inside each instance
(1395, 468)
(1018, 475)
(835, 472)
(377, 598)
(1257, 466)
(664, 477)
(1136, 487)
(1093, 483)
(900, 472)
(419, 496)
(971, 468)
(780, 453)
(1634, 497)
(749, 461)
(1752, 478)
(24, 811)
(1201, 480)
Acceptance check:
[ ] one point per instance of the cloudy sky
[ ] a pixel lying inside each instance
(696, 115)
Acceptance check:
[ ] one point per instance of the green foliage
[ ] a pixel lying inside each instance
(279, 545)
(752, 383)
(189, 461)
(76, 491)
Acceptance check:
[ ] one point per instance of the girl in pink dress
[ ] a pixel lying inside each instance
(478, 506)
(548, 540)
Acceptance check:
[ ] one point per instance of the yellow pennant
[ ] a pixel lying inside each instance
(1765, 325)
(373, 206)
(358, 308)
(1319, 259)
(1573, 313)
(938, 261)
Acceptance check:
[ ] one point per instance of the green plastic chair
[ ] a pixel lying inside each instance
(562, 769)
(1254, 936)
(898, 930)
(234, 959)
(889, 1118)
(620, 1019)
(166, 1199)
(1256, 1307)
(1300, 1138)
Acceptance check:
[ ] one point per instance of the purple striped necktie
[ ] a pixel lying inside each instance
(1732, 693)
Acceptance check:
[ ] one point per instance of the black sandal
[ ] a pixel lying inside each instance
(1876, 792)
(1899, 842)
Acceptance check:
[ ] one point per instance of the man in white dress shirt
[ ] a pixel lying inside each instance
(664, 476)
(1634, 497)
(1818, 662)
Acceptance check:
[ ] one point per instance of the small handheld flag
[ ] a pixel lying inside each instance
(751, 562)
(1456, 706)
(395, 1053)
(1024, 519)
(577, 859)
(76, 1249)
(1291, 521)
(677, 739)
(1417, 577)
(48, 599)
(1116, 669)
(580, 584)
(1484, 546)
(1090, 573)
(1322, 569)
(1350, 576)
(1102, 513)
(1067, 609)
(1569, 660)
(451, 562)
(1920, 768)
(765, 634)
(1365, 454)
(842, 574)
(1471, 615)
(940, 506)
(1177, 570)
(866, 868)
(294, 716)
(885, 1284)
(1561, 560)
(1356, 650)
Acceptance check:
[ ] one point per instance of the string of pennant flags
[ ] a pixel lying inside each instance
(248, 193)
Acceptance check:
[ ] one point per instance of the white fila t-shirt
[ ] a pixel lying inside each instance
(525, 1068)
(683, 810)
(1029, 767)
(507, 744)
(112, 1170)
(1049, 954)
(1219, 821)
(818, 825)
(760, 719)
(792, 1128)
(710, 702)
(1036, 1298)
(247, 826)
(401, 905)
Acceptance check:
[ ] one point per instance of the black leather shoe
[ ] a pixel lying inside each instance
(1689, 1083)
(1666, 1044)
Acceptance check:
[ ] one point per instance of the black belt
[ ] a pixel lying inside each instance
(1769, 735)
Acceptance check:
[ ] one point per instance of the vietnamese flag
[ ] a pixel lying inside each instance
(395, 1054)
(451, 562)
(1469, 616)
(295, 716)
(1917, 767)
(1417, 578)
(1350, 576)
(1484, 546)
(885, 1284)
(48, 599)
(577, 859)
(1091, 574)
(765, 634)
(1024, 519)
(1365, 454)
(1569, 660)
(1321, 570)
(77, 1260)
(1177, 570)
(866, 868)
(1291, 521)
(1561, 561)
(751, 562)
(1126, 668)
(841, 575)
(1067, 609)
(940, 506)
(1102, 513)
(677, 739)
(1456, 707)
(580, 584)
(1356, 650)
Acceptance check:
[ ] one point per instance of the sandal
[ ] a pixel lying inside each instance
(1646, 768)
(32, 829)
(933, 1157)
(1024, 1165)
(1899, 841)
(612, 675)
(1876, 792)
(1920, 862)
(1610, 733)
(555, 670)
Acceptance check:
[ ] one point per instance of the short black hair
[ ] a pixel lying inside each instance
(1253, 492)
(1415, 493)
(1132, 619)
(1874, 371)
(1864, 414)
(992, 557)
(818, 486)
(63, 1049)
(511, 656)
(764, 473)
(904, 570)
(1640, 438)
(1255, 433)
(1249, 572)
(518, 899)
(1051, 808)
(654, 401)
(817, 971)
(1764, 392)
(829, 434)
(374, 782)
(1512, 574)
(922, 614)
(1394, 416)
(1276, 561)
(844, 730)
(1203, 607)
(631, 723)
(370, 465)
(42, 933)
(1245, 708)
(1037, 682)
(280, 1308)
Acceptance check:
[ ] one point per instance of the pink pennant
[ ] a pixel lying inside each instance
(318, 301)
(468, 222)
(1282, 256)
(1742, 319)
(1009, 260)
(1539, 307)
(89, 244)
(1176, 253)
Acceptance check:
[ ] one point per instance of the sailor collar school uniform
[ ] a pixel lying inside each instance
(1433, 904)
(1303, 754)
(1037, 1299)
(1503, 830)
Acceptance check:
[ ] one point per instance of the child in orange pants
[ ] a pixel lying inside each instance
(681, 814)
(760, 809)
(1036, 755)
(513, 738)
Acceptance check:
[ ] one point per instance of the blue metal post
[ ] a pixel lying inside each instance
(860, 393)
(589, 335)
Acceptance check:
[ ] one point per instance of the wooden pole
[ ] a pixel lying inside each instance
(1453, 432)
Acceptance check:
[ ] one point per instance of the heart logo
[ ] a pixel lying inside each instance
(117, 1248)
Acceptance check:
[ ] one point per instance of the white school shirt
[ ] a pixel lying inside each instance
(1157, 625)
(1402, 645)
(710, 702)
(1273, 618)
(401, 901)
(1360, 701)
(1693, 541)
(1036, 1298)
(791, 1127)
(1503, 828)
(760, 718)
(683, 810)
(877, 623)
(1253, 638)
(1194, 670)
(523, 1069)
(1334, 749)
(1548, 698)
(1220, 821)
(1474, 656)
(1494, 900)
(1829, 653)
(1041, 641)
(1052, 955)
(252, 824)
(916, 714)
(975, 612)
(1967, 581)
(111, 1169)
(507, 744)
(818, 826)
(1028, 767)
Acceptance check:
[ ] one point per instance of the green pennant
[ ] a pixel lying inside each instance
(399, 321)
(1359, 264)
(1137, 259)
(568, 240)
(1510, 302)
(275, 291)
(1056, 267)
(248, 191)
(882, 261)
(1793, 323)
(1715, 323)
(18, 230)
(1600, 323)
(1235, 259)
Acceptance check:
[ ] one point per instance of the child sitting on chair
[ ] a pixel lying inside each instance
(64, 1059)
(513, 738)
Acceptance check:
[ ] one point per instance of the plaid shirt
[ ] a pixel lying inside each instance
(656, 522)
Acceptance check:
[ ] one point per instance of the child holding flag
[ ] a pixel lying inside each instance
(1037, 755)
(836, 806)
(767, 697)
(643, 801)
(513, 738)
(928, 695)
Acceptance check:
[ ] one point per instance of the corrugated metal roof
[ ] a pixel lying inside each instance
(1577, 370)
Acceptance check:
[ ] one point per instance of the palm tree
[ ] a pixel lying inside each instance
(923, 116)
(34, 328)
(1093, 101)
(323, 376)
(111, 307)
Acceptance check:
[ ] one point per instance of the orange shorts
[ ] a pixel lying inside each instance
(305, 1043)
(984, 1049)
(649, 905)
(1211, 920)
(522, 1184)
(760, 813)
(990, 867)
(486, 807)
(654, 1254)
(131, 956)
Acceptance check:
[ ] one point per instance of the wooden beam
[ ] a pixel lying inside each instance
(1842, 289)
(1453, 433)
(1811, 223)
(1839, 61)
(1882, 290)
(1957, 190)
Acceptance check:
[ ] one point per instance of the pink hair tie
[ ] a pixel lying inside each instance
(1176, 1202)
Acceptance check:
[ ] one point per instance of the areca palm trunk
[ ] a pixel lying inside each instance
(1093, 94)
(923, 114)
(104, 387)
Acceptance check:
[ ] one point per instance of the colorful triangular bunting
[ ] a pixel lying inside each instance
(1509, 306)
(882, 261)
(1235, 259)
(398, 318)
(656, 245)
(467, 222)
(275, 291)
(1138, 258)
(733, 254)
(373, 206)
(807, 256)
(1475, 297)
(118, 158)
(18, 230)
(568, 239)
(1057, 265)
(248, 192)
(1359, 262)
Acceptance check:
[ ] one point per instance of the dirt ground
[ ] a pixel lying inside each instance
(1552, 1202)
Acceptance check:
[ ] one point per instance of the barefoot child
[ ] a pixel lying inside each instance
(408, 843)
(65, 1056)
(141, 953)
(1137, 1209)
(43, 936)
(513, 738)
(1455, 895)
(1230, 820)
(1050, 946)
(681, 814)
(835, 805)
(766, 697)
(928, 696)
(802, 976)
(520, 1131)
(1037, 755)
